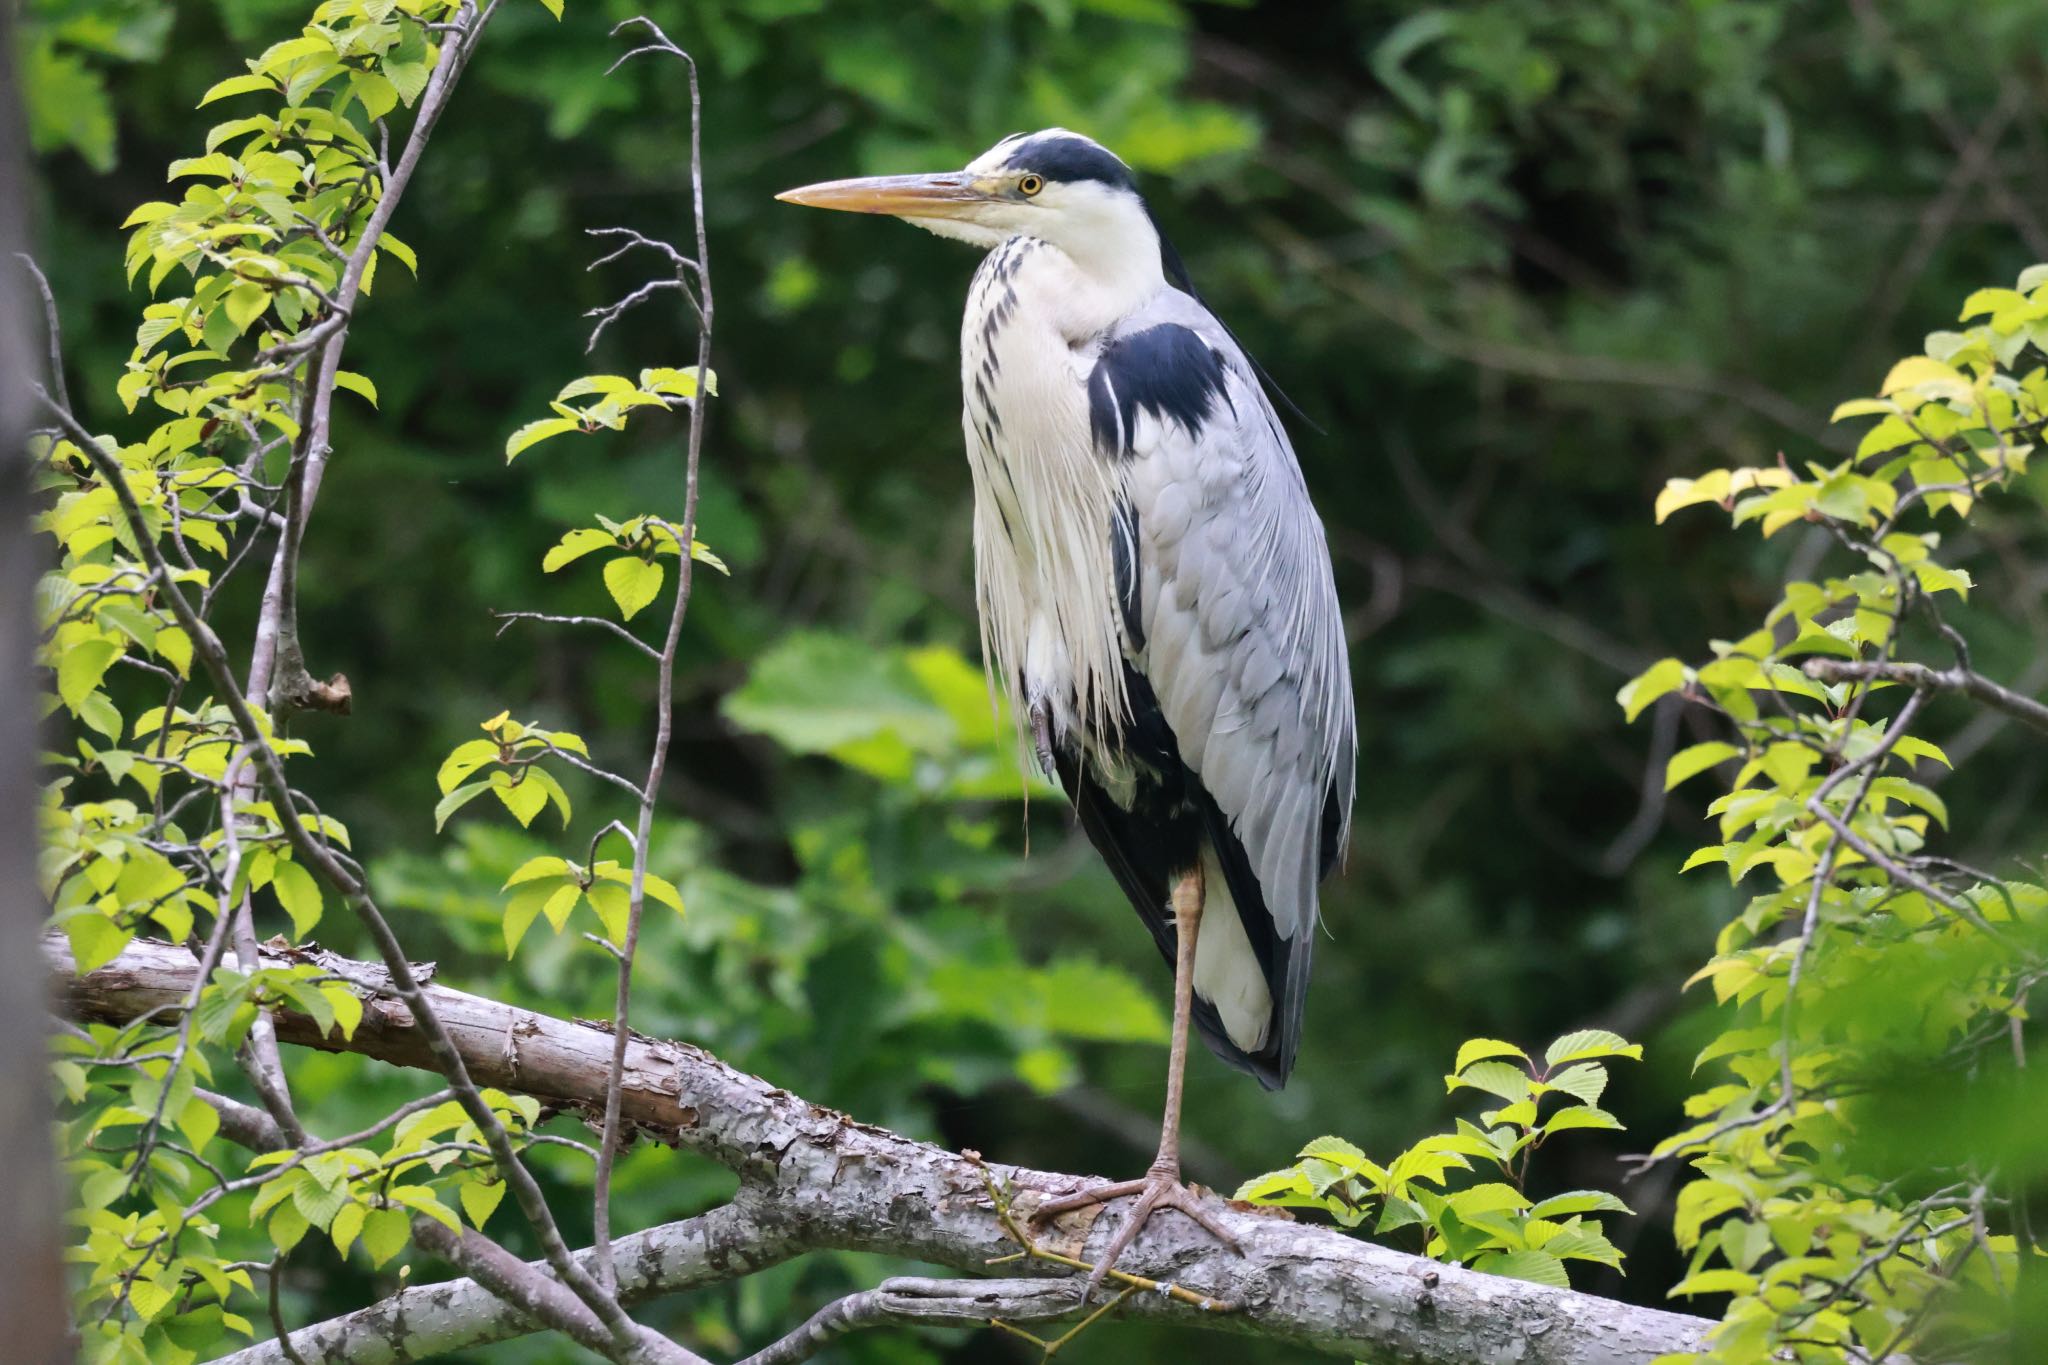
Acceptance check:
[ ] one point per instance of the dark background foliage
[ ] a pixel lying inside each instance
(1520, 261)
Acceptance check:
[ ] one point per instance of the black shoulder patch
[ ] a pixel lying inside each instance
(1166, 370)
(1066, 158)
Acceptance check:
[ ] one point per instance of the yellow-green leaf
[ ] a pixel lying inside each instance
(633, 583)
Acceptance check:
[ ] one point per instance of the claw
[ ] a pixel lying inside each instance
(1158, 1189)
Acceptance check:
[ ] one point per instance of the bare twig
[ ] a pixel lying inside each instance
(664, 720)
(284, 1336)
(508, 617)
(53, 334)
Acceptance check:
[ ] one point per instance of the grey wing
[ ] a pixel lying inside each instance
(1232, 615)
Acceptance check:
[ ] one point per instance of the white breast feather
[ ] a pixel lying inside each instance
(1045, 576)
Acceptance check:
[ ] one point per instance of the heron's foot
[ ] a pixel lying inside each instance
(1041, 740)
(1159, 1188)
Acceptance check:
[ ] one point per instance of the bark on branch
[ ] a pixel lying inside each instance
(813, 1179)
(1971, 684)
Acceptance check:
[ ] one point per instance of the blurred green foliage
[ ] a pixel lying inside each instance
(1523, 260)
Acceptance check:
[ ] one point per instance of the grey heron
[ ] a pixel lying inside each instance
(1155, 592)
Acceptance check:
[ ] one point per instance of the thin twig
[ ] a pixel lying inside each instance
(508, 617)
(52, 331)
(664, 720)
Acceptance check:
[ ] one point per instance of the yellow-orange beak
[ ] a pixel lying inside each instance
(947, 194)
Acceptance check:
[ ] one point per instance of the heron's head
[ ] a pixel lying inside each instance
(1060, 187)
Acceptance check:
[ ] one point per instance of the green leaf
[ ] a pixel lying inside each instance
(1538, 1267)
(80, 668)
(533, 433)
(320, 1202)
(95, 939)
(300, 895)
(520, 913)
(1696, 759)
(633, 583)
(421, 1199)
(1578, 1201)
(357, 384)
(1273, 1184)
(455, 801)
(613, 905)
(525, 798)
(466, 759)
(1587, 1081)
(288, 1225)
(658, 889)
(1714, 1282)
(1581, 1116)
(245, 303)
(198, 1121)
(1339, 1152)
(1479, 1049)
(347, 1225)
(553, 7)
(1591, 1042)
(479, 1200)
(236, 85)
(1511, 1083)
(534, 868)
(385, 1232)
(577, 544)
(1660, 678)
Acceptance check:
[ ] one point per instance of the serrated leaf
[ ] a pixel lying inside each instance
(1578, 1201)
(1581, 1116)
(1591, 1042)
(1537, 1267)
(1479, 1049)
(236, 85)
(1511, 1083)
(535, 432)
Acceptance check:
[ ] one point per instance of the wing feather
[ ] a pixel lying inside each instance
(1243, 642)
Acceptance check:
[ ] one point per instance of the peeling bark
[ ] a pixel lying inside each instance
(814, 1179)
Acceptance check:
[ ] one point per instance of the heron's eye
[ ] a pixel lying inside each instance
(1030, 185)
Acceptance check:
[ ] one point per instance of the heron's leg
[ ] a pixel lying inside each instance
(1160, 1187)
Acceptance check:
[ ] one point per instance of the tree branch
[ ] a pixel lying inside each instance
(813, 1179)
(1969, 683)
